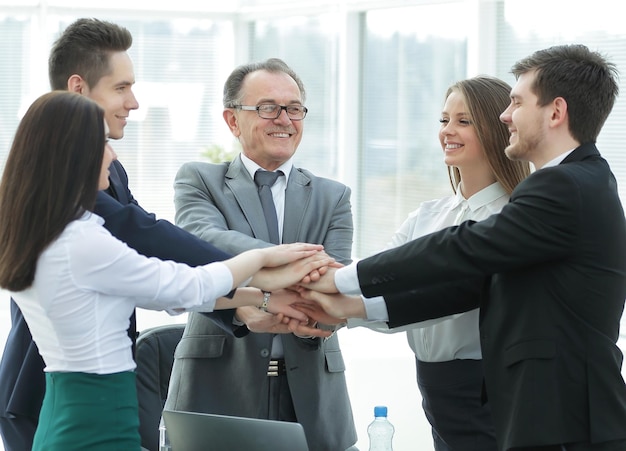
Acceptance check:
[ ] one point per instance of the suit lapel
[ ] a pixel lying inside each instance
(297, 198)
(245, 192)
(116, 187)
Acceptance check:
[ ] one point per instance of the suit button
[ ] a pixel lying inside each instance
(265, 352)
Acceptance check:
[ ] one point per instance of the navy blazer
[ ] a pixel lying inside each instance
(549, 274)
(22, 381)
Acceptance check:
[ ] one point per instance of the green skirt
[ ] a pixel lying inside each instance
(83, 411)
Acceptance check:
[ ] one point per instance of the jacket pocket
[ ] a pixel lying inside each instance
(334, 361)
(531, 349)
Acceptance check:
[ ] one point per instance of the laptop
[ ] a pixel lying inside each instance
(192, 431)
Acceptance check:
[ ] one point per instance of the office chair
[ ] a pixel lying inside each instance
(154, 356)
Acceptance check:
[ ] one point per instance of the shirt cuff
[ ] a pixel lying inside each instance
(347, 280)
(222, 278)
(378, 326)
(376, 308)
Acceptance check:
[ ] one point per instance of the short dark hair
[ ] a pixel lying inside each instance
(85, 48)
(50, 178)
(232, 87)
(585, 79)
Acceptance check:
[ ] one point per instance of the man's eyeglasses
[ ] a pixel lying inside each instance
(272, 111)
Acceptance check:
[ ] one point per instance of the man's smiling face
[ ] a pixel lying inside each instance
(114, 93)
(267, 142)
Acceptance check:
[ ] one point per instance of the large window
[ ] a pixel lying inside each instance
(180, 66)
(15, 47)
(409, 61)
(406, 65)
(381, 141)
(521, 31)
(308, 45)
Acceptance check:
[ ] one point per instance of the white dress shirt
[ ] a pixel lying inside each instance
(278, 194)
(556, 161)
(87, 284)
(456, 336)
(278, 188)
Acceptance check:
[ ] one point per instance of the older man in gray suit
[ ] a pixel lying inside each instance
(266, 372)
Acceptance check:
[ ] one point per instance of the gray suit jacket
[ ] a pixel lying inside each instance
(214, 372)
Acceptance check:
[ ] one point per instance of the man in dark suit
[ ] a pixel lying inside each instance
(548, 272)
(279, 377)
(75, 65)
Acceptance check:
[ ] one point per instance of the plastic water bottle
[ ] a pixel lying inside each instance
(380, 431)
(164, 442)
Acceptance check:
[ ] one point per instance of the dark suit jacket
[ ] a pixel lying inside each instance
(22, 382)
(549, 273)
(216, 373)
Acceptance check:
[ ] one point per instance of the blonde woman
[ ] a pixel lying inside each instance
(447, 350)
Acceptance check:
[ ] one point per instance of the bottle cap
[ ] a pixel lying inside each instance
(380, 411)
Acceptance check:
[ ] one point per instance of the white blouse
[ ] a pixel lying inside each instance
(87, 284)
(456, 336)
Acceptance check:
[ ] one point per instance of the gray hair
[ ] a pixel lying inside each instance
(232, 87)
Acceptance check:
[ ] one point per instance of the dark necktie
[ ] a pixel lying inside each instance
(265, 180)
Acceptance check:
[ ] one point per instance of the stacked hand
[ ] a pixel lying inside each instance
(330, 308)
(325, 304)
(316, 299)
(282, 316)
(289, 264)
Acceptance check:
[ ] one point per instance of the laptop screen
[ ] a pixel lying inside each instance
(191, 431)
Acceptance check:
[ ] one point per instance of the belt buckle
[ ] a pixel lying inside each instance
(276, 367)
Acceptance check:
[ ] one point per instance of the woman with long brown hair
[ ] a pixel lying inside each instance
(77, 285)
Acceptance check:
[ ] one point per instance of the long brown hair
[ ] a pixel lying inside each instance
(485, 99)
(50, 178)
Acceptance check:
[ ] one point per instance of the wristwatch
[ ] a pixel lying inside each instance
(266, 301)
